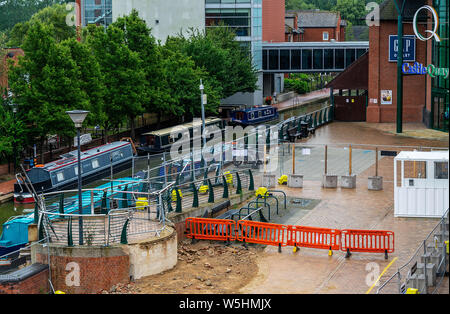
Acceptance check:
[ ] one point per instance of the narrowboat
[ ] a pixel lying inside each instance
(63, 173)
(15, 231)
(254, 115)
(160, 141)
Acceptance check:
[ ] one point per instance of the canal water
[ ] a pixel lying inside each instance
(10, 209)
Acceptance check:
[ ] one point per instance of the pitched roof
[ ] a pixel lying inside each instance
(388, 10)
(315, 18)
(356, 76)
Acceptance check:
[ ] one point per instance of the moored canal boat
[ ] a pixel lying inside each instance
(62, 174)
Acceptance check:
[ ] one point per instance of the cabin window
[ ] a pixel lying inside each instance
(116, 155)
(60, 176)
(251, 116)
(95, 163)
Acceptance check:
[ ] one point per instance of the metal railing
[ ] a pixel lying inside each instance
(427, 267)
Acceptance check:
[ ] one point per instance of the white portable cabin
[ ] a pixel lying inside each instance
(421, 184)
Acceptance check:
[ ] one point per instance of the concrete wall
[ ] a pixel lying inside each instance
(154, 256)
(165, 17)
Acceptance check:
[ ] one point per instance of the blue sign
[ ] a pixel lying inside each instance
(409, 48)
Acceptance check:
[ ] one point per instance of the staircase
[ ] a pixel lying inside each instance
(433, 262)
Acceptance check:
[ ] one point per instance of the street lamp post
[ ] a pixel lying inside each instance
(78, 117)
(202, 88)
(14, 109)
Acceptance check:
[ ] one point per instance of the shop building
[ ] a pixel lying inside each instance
(425, 96)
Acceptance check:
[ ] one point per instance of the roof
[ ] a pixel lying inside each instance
(419, 155)
(72, 157)
(315, 18)
(388, 10)
(179, 128)
(356, 76)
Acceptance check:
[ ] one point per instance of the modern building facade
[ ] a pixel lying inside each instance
(245, 17)
(97, 12)
(164, 17)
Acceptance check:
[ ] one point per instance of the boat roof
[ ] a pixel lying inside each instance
(179, 128)
(72, 157)
(423, 156)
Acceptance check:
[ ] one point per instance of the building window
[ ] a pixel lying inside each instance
(325, 36)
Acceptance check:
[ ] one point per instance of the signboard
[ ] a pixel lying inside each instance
(386, 97)
(409, 48)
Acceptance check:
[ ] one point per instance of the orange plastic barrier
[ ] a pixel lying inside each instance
(262, 233)
(369, 241)
(210, 229)
(317, 238)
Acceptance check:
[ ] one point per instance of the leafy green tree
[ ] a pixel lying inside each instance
(123, 75)
(139, 39)
(53, 16)
(181, 78)
(45, 84)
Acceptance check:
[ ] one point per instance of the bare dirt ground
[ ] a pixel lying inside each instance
(202, 268)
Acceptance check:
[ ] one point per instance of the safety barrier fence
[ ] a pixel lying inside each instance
(367, 241)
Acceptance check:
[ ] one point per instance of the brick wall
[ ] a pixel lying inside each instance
(273, 12)
(37, 284)
(98, 269)
(316, 34)
(383, 76)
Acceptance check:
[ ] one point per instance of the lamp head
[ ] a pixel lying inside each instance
(77, 117)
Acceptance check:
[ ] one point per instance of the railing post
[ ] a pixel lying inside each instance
(326, 159)
(239, 185)
(92, 203)
(195, 196)
(225, 188)
(69, 233)
(350, 160)
(251, 186)
(211, 192)
(123, 236)
(178, 209)
(61, 203)
(36, 213)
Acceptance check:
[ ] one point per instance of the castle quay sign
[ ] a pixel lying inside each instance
(409, 48)
(431, 70)
(433, 33)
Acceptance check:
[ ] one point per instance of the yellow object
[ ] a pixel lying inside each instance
(174, 195)
(412, 291)
(446, 244)
(203, 189)
(228, 177)
(330, 253)
(295, 249)
(262, 191)
(283, 180)
(59, 292)
(141, 203)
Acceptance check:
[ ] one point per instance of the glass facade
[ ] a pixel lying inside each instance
(440, 59)
(244, 17)
(97, 12)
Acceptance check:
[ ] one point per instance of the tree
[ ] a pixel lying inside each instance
(139, 39)
(181, 78)
(45, 84)
(53, 16)
(123, 74)
(227, 63)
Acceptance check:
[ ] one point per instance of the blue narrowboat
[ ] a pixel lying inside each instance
(254, 115)
(63, 173)
(159, 141)
(15, 230)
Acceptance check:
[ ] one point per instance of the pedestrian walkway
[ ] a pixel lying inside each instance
(313, 271)
(302, 99)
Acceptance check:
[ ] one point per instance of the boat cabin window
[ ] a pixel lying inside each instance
(251, 116)
(116, 155)
(95, 163)
(60, 176)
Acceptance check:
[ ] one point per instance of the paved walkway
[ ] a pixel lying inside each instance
(302, 99)
(313, 271)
